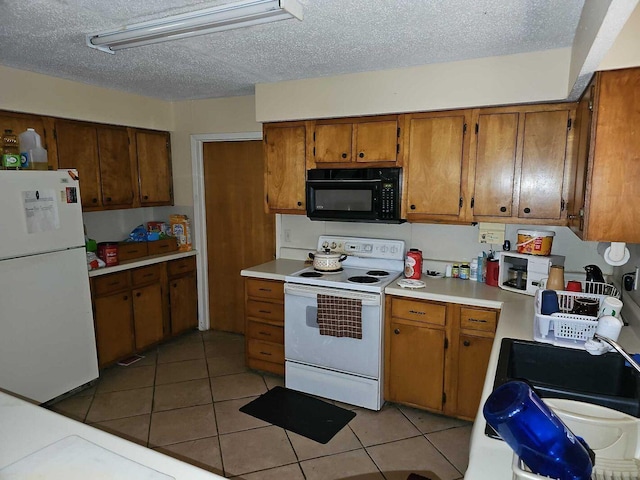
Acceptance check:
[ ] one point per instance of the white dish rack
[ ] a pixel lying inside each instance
(613, 436)
(566, 329)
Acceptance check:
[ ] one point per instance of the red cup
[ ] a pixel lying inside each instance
(574, 286)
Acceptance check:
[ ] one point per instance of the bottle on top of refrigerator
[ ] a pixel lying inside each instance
(10, 150)
(32, 155)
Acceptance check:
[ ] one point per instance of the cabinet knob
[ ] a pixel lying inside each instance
(503, 209)
(138, 294)
(361, 154)
(344, 155)
(299, 204)
(175, 285)
(108, 199)
(146, 197)
(527, 210)
(126, 297)
(412, 207)
(396, 331)
(466, 343)
(94, 200)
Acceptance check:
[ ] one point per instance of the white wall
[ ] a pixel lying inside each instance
(439, 243)
(523, 78)
(625, 52)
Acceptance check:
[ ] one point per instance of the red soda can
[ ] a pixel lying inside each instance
(413, 264)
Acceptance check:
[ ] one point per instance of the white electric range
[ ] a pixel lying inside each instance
(340, 368)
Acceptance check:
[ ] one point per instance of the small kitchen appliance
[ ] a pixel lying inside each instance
(347, 369)
(522, 273)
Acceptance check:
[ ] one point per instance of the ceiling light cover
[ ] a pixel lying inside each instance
(200, 22)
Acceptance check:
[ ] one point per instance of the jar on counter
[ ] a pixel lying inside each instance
(108, 253)
(455, 271)
(465, 271)
(413, 264)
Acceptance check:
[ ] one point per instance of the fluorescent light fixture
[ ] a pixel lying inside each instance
(199, 22)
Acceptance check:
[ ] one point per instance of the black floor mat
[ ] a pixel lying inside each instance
(299, 413)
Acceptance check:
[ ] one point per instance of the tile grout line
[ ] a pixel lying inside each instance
(213, 406)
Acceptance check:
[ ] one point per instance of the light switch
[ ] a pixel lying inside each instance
(491, 233)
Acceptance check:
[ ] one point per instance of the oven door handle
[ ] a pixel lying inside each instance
(291, 290)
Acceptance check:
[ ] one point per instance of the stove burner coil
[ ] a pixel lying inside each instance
(377, 273)
(311, 274)
(363, 279)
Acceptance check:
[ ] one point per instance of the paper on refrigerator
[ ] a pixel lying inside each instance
(41, 210)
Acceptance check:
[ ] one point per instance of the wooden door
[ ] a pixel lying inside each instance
(114, 328)
(77, 145)
(239, 233)
(473, 359)
(183, 297)
(115, 167)
(333, 143)
(543, 163)
(495, 162)
(284, 152)
(435, 164)
(376, 141)
(147, 315)
(154, 168)
(416, 362)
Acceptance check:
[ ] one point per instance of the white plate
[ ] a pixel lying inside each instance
(408, 283)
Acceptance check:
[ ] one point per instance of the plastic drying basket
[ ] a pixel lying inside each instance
(535, 242)
(565, 328)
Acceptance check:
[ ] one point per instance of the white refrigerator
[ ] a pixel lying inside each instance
(47, 339)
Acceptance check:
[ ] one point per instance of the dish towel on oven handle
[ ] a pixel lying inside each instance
(340, 316)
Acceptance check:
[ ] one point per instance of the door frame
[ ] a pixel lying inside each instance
(199, 231)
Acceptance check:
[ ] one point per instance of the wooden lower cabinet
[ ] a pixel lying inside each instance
(132, 310)
(183, 295)
(436, 354)
(264, 328)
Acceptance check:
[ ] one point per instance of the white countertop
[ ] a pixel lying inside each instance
(142, 262)
(489, 459)
(29, 429)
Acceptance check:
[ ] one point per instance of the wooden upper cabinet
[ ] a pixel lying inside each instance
(613, 171)
(115, 167)
(376, 141)
(153, 154)
(19, 122)
(434, 166)
(333, 143)
(347, 142)
(285, 175)
(543, 164)
(495, 162)
(78, 148)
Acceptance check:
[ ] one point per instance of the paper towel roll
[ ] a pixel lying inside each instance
(614, 253)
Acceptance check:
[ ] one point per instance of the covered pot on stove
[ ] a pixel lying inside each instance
(327, 261)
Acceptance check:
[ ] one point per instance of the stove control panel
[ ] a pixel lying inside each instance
(364, 247)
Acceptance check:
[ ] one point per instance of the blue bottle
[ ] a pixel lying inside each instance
(535, 433)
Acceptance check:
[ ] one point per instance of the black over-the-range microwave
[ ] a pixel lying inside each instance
(354, 194)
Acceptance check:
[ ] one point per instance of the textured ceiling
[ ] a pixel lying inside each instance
(335, 37)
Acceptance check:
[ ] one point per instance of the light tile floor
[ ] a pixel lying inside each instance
(183, 399)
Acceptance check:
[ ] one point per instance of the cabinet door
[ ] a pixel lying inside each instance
(543, 164)
(333, 143)
(147, 315)
(473, 359)
(435, 164)
(114, 327)
(376, 141)
(495, 161)
(183, 297)
(416, 365)
(115, 167)
(78, 148)
(284, 149)
(154, 168)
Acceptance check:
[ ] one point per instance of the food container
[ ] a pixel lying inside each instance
(108, 253)
(326, 261)
(413, 264)
(181, 229)
(535, 242)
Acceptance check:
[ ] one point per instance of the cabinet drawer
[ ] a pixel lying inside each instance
(269, 352)
(474, 319)
(268, 333)
(183, 265)
(165, 245)
(426, 312)
(272, 290)
(131, 250)
(267, 311)
(144, 275)
(111, 283)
